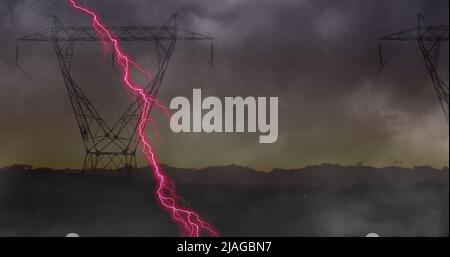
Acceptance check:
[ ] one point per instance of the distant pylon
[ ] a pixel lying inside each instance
(429, 38)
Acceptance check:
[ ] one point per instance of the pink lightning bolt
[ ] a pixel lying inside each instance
(190, 223)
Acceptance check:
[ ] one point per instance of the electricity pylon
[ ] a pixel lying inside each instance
(110, 146)
(429, 38)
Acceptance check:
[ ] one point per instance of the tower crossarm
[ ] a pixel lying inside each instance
(124, 34)
(420, 33)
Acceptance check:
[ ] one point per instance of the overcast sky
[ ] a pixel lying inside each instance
(319, 57)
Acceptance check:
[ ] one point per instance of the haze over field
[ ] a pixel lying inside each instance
(325, 200)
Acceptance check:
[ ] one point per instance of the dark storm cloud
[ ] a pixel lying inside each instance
(320, 58)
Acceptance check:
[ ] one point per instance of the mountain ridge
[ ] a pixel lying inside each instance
(315, 175)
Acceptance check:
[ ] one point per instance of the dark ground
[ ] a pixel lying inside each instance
(324, 200)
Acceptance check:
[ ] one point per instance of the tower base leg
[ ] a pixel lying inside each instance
(123, 164)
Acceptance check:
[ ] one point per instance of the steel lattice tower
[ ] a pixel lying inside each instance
(429, 38)
(110, 146)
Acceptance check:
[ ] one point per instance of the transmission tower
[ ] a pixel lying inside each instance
(429, 38)
(110, 146)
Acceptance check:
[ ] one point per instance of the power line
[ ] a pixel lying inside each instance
(383, 61)
(369, 98)
(37, 7)
(7, 61)
(31, 79)
(210, 58)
